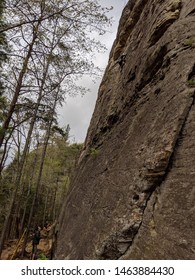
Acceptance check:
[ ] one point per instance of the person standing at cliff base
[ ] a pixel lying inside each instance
(35, 242)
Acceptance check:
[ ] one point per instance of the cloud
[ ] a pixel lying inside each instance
(77, 111)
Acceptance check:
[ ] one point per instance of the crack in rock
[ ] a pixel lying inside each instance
(120, 242)
(168, 169)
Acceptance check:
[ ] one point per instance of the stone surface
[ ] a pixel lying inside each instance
(133, 196)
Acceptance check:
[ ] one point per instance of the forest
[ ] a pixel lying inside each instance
(46, 46)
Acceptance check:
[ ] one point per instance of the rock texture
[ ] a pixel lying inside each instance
(133, 196)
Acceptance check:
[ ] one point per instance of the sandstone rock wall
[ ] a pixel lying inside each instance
(133, 196)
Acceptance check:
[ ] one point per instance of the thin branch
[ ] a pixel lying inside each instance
(19, 24)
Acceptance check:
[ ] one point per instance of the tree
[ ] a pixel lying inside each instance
(59, 165)
(44, 64)
(3, 57)
(70, 20)
(3, 42)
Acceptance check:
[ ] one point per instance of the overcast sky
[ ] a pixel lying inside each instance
(78, 110)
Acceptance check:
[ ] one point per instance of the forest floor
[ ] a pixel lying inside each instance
(43, 252)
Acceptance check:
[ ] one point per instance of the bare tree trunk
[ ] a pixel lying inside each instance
(5, 152)
(7, 221)
(5, 127)
(53, 208)
(38, 183)
(6, 123)
(28, 140)
(45, 208)
(29, 190)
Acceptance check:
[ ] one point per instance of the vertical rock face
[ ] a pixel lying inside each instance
(133, 196)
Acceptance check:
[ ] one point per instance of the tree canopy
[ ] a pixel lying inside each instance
(45, 47)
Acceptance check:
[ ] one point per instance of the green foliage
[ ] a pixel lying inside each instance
(190, 42)
(44, 61)
(94, 151)
(58, 170)
(51, 44)
(42, 257)
(1, 129)
(6, 189)
(63, 132)
(191, 82)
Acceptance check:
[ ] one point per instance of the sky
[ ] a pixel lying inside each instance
(77, 111)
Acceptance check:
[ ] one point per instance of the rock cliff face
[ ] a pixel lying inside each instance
(133, 196)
